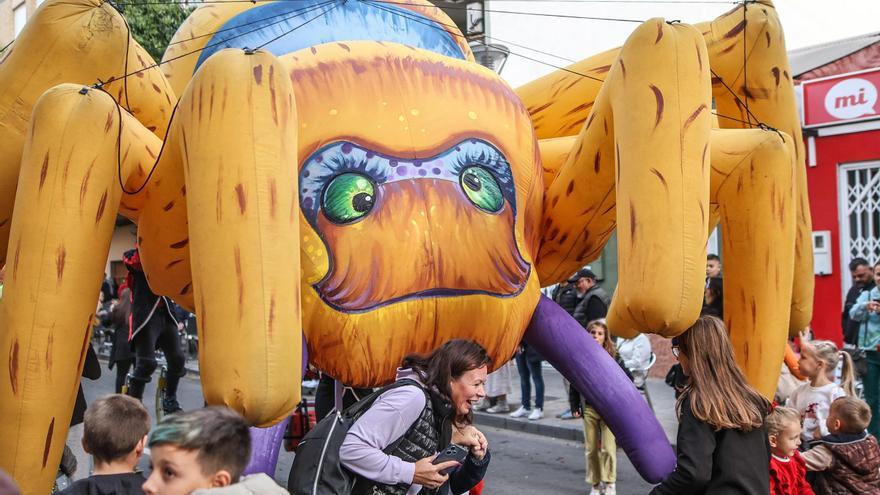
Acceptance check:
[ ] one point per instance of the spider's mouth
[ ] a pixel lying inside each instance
(401, 229)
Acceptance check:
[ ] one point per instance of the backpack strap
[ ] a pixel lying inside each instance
(358, 408)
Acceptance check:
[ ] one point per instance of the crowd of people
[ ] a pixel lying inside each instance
(390, 448)
(817, 437)
(821, 387)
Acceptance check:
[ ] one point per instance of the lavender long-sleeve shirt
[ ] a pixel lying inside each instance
(385, 421)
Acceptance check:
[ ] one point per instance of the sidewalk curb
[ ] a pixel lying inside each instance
(574, 434)
(502, 421)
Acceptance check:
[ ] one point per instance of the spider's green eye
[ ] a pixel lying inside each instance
(348, 197)
(482, 189)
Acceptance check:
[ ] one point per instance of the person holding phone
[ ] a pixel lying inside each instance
(393, 447)
(866, 311)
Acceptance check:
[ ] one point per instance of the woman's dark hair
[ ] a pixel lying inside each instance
(446, 363)
(716, 308)
(122, 310)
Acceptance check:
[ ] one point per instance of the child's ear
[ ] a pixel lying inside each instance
(141, 445)
(836, 423)
(773, 441)
(221, 478)
(86, 446)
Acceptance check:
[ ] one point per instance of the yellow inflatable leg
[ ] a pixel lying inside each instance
(554, 153)
(71, 41)
(753, 182)
(662, 125)
(237, 132)
(771, 99)
(641, 161)
(163, 231)
(560, 102)
(65, 213)
(579, 205)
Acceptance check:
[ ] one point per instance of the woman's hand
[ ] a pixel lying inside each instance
(428, 474)
(473, 439)
(873, 307)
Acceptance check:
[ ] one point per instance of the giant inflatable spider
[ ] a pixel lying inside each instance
(344, 170)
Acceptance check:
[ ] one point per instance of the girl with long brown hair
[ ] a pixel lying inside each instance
(599, 442)
(722, 442)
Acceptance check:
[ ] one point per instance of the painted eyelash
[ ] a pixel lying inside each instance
(338, 163)
(471, 157)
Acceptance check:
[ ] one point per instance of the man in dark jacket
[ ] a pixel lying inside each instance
(566, 295)
(593, 301)
(863, 279)
(152, 324)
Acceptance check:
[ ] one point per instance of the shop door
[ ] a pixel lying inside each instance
(860, 215)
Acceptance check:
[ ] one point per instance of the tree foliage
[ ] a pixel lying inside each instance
(153, 23)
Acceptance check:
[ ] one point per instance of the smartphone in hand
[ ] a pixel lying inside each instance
(452, 452)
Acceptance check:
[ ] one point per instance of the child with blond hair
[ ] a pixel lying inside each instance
(813, 399)
(787, 469)
(848, 458)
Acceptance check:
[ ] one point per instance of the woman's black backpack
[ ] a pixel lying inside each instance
(317, 469)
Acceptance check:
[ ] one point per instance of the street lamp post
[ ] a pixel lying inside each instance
(491, 55)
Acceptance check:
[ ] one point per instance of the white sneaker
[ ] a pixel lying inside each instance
(596, 490)
(500, 407)
(536, 414)
(522, 411)
(610, 489)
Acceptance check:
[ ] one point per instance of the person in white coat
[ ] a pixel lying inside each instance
(636, 355)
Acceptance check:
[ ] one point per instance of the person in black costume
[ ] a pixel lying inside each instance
(153, 324)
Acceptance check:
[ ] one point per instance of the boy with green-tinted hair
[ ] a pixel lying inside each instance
(204, 451)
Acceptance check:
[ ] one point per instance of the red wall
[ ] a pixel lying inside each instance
(823, 191)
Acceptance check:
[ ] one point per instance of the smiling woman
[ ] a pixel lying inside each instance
(391, 447)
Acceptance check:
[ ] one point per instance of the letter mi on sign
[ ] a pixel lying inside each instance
(844, 98)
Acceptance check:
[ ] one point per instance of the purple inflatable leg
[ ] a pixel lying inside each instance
(265, 447)
(305, 356)
(266, 442)
(571, 350)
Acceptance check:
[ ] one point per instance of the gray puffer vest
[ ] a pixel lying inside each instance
(427, 435)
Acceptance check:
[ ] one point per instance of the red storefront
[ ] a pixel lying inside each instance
(841, 118)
